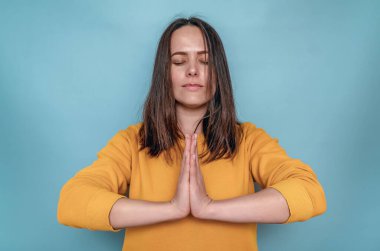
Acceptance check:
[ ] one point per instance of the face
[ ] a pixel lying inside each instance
(189, 67)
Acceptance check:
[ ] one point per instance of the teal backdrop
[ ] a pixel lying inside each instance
(73, 73)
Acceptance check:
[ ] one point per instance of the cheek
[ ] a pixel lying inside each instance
(176, 77)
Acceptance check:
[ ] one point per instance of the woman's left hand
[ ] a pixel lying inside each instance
(199, 199)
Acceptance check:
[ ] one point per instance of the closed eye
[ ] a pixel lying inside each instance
(182, 62)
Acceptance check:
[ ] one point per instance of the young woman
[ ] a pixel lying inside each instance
(190, 165)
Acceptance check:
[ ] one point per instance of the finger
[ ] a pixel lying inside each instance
(197, 173)
(185, 164)
(199, 176)
(192, 167)
(198, 168)
(191, 145)
(194, 145)
(182, 171)
(186, 150)
(185, 158)
(187, 142)
(195, 153)
(187, 167)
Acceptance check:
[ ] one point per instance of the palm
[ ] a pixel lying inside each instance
(199, 199)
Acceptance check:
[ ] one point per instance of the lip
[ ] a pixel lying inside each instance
(192, 86)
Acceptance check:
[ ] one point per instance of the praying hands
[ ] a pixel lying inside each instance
(191, 196)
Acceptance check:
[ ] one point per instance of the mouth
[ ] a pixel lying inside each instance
(192, 86)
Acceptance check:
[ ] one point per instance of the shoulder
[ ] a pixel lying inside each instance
(249, 128)
(134, 128)
(251, 133)
(131, 133)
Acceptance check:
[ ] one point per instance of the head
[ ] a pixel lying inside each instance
(191, 81)
(190, 70)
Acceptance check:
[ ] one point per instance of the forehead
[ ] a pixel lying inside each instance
(187, 38)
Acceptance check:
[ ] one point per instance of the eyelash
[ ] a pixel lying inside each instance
(203, 62)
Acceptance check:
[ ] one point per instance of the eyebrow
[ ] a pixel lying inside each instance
(185, 53)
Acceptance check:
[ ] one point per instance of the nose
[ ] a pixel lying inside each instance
(192, 69)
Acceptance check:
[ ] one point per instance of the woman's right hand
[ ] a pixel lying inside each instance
(181, 200)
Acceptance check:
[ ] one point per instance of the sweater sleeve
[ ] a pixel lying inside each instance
(271, 167)
(87, 198)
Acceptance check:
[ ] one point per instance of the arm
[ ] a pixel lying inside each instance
(266, 206)
(271, 167)
(131, 213)
(86, 199)
(291, 191)
(95, 197)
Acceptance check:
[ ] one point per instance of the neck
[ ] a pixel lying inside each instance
(188, 118)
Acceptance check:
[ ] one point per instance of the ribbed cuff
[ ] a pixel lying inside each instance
(298, 199)
(99, 209)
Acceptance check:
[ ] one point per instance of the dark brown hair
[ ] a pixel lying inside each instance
(221, 129)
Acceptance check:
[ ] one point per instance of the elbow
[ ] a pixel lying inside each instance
(320, 205)
(65, 209)
(61, 212)
(62, 215)
(317, 204)
(304, 200)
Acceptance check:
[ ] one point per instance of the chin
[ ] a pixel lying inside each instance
(192, 105)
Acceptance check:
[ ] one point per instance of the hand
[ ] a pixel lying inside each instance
(199, 199)
(181, 200)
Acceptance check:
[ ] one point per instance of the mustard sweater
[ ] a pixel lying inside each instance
(87, 198)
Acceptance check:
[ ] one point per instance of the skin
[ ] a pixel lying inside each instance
(189, 65)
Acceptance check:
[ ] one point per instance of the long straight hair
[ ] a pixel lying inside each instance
(160, 131)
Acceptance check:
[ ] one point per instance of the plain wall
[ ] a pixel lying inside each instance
(73, 73)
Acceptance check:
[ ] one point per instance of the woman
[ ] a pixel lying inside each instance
(190, 164)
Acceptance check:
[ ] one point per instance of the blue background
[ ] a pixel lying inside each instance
(72, 73)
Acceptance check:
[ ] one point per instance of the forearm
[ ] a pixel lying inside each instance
(130, 213)
(265, 206)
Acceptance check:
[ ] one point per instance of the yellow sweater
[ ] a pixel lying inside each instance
(87, 198)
